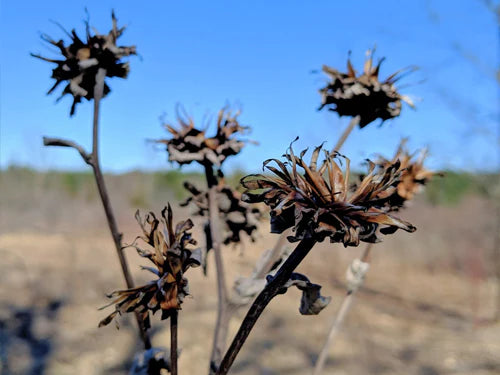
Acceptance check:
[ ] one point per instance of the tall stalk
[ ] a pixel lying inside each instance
(352, 124)
(225, 309)
(334, 330)
(173, 342)
(93, 160)
(272, 289)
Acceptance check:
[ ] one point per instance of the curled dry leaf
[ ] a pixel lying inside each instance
(190, 144)
(312, 302)
(318, 203)
(169, 253)
(363, 95)
(83, 58)
(413, 176)
(236, 215)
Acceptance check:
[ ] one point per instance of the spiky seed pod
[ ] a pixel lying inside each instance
(190, 144)
(364, 95)
(236, 215)
(413, 176)
(82, 60)
(319, 204)
(171, 258)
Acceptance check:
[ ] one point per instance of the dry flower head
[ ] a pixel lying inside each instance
(319, 204)
(190, 144)
(364, 95)
(171, 258)
(236, 215)
(413, 176)
(83, 59)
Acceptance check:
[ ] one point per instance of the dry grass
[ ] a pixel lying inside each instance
(423, 310)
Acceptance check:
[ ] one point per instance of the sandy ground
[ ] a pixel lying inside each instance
(425, 309)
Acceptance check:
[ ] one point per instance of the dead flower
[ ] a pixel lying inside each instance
(191, 144)
(171, 259)
(320, 206)
(364, 95)
(82, 60)
(413, 176)
(236, 215)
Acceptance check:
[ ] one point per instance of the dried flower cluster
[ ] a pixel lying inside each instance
(236, 215)
(83, 59)
(413, 176)
(320, 206)
(191, 144)
(171, 258)
(364, 96)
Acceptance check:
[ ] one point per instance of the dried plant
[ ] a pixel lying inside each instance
(189, 143)
(83, 58)
(364, 95)
(414, 176)
(169, 252)
(318, 206)
(235, 215)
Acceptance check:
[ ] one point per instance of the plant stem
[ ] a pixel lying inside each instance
(352, 124)
(273, 288)
(173, 343)
(225, 309)
(339, 319)
(103, 193)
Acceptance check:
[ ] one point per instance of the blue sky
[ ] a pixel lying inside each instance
(261, 56)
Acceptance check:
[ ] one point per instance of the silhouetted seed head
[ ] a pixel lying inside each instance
(168, 251)
(235, 215)
(82, 60)
(191, 144)
(318, 203)
(413, 176)
(364, 95)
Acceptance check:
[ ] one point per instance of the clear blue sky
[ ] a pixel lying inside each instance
(260, 55)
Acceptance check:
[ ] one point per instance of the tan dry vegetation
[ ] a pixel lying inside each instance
(424, 309)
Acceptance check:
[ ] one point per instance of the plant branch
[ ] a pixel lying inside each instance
(334, 330)
(273, 288)
(352, 124)
(173, 342)
(48, 141)
(225, 309)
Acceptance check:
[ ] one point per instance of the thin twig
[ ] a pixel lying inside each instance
(352, 124)
(339, 319)
(273, 288)
(224, 307)
(49, 141)
(93, 160)
(173, 343)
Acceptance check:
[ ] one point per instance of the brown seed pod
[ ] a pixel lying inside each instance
(319, 204)
(413, 176)
(171, 258)
(190, 144)
(82, 60)
(236, 215)
(364, 95)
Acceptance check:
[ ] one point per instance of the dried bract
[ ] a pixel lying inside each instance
(236, 215)
(82, 60)
(191, 144)
(413, 176)
(319, 204)
(171, 258)
(364, 95)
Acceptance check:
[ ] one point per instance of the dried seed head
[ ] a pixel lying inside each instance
(191, 144)
(364, 96)
(319, 203)
(171, 258)
(413, 176)
(83, 59)
(235, 215)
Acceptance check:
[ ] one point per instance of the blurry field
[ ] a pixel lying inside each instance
(426, 307)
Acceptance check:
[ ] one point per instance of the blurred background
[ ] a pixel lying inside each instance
(431, 302)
